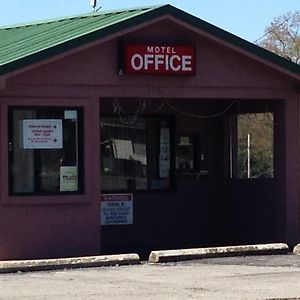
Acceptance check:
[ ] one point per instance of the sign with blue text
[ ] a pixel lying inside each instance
(116, 209)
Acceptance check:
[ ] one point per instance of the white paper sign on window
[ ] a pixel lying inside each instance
(116, 209)
(42, 134)
(68, 179)
(164, 155)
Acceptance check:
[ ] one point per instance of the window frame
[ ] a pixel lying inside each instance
(251, 108)
(171, 120)
(80, 146)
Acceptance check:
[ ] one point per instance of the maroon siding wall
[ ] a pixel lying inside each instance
(50, 226)
(200, 211)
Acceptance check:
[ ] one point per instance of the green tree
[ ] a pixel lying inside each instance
(259, 148)
(282, 36)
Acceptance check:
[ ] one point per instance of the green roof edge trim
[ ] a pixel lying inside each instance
(149, 14)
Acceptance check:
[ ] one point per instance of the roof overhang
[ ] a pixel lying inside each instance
(146, 18)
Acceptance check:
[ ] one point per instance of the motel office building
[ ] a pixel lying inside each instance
(144, 129)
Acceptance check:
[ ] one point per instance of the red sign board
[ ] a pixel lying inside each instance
(160, 59)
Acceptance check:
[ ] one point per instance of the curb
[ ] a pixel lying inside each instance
(68, 263)
(297, 249)
(198, 253)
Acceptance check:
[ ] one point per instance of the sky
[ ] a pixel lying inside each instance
(247, 19)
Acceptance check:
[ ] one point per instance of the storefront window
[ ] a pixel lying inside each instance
(254, 153)
(45, 147)
(135, 156)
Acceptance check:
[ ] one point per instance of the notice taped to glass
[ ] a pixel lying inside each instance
(42, 134)
(116, 209)
(68, 178)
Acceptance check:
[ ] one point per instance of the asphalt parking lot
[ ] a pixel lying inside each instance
(249, 277)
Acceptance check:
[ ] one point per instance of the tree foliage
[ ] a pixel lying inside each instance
(259, 127)
(283, 36)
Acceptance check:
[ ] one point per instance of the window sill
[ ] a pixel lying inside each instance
(45, 200)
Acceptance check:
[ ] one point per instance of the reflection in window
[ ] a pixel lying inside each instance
(135, 156)
(255, 145)
(44, 150)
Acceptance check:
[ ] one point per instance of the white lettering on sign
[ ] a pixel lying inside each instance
(161, 49)
(137, 62)
(173, 62)
(117, 209)
(42, 134)
(186, 65)
(160, 59)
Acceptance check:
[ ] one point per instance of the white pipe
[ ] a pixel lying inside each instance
(248, 156)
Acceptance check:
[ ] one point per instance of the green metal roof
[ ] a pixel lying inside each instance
(22, 45)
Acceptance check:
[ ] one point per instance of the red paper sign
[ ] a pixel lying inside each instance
(160, 59)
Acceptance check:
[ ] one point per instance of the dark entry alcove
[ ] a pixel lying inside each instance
(212, 201)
